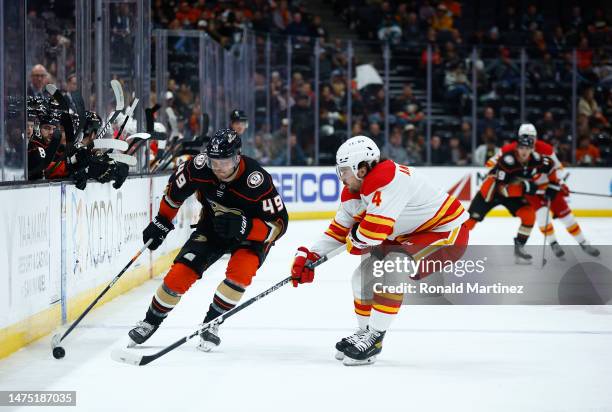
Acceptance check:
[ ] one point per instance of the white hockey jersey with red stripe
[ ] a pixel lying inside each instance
(394, 202)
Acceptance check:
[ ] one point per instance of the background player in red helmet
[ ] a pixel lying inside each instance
(556, 195)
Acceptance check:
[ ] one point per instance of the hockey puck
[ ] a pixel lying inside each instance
(59, 352)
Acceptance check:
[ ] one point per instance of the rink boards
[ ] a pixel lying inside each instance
(313, 192)
(61, 246)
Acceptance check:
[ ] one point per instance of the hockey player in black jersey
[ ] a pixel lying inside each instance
(242, 214)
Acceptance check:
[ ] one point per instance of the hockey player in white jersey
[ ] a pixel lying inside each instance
(383, 204)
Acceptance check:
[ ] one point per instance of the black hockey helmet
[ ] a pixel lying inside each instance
(238, 115)
(50, 116)
(525, 140)
(92, 122)
(224, 144)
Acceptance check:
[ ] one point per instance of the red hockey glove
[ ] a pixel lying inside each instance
(300, 273)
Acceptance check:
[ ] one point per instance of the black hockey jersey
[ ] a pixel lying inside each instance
(251, 193)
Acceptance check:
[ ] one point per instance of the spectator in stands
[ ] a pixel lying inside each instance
(537, 47)
(589, 110)
(187, 13)
(297, 27)
(532, 20)
(504, 70)
(492, 42)
(587, 154)
(485, 151)
(439, 152)
(71, 89)
(547, 126)
(261, 149)
(436, 58)
(558, 43)
(466, 135)
(510, 21)
(442, 19)
(302, 122)
(411, 31)
(456, 83)
(389, 31)
(394, 149)
(489, 120)
(577, 23)
(543, 70)
(376, 134)
(414, 145)
(458, 155)
(39, 78)
(297, 157)
(584, 54)
(406, 107)
(375, 106)
(317, 29)
(281, 17)
(426, 11)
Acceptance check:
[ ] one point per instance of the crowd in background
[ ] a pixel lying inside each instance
(409, 28)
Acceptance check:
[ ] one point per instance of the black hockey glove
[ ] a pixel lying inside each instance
(120, 173)
(157, 230)
(551, 191)
(230, 225)
(529, 188)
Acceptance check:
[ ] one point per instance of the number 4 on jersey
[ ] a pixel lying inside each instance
(376, 199)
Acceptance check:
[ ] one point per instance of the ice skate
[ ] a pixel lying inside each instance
(141, 332)
(365, 350)
(557, 250)
(346, 342)
(521, 257)
(209, 339)
(588, 249)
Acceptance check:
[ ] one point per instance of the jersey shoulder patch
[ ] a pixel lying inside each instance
(381, 175)
(508, 160)
(199, 161)
(347, 195)
(254, 182)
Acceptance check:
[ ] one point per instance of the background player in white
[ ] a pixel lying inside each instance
(388, 204)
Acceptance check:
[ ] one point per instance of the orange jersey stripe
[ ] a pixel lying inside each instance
(437, 216)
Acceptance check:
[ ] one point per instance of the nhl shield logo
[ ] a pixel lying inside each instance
(255, 179)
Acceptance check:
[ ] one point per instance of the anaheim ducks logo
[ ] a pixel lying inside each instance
(219, 209)
(255, 179)
(199, 161)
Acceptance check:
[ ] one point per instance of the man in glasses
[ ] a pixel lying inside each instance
(242, 214)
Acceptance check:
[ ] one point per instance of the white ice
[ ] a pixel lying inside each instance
(277, 355)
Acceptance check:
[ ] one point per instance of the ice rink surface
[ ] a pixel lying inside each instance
(277, 355)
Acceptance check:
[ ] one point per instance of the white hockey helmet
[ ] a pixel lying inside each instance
(527, 129)
(355, 150)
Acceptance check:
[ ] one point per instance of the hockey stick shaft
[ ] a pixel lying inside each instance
(589, 194)
(106, 289)
(545, 233)
(141, 360)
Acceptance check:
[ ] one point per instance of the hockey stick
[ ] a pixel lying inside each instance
(55, 341)
(129, 112)
(129, 357)
(589, 194)
(545, 233)
(119, 105)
